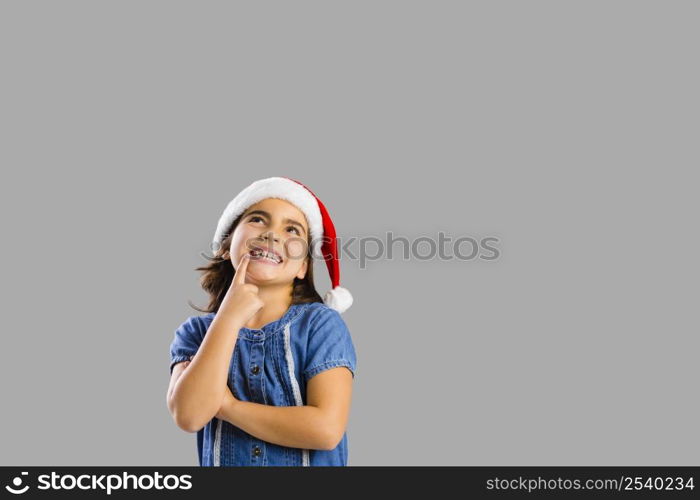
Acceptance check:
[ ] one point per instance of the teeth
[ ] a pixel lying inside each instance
(266, 255)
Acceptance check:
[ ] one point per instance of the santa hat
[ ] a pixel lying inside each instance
(321, 228)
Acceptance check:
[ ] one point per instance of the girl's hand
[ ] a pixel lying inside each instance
(241, 299)
(226, 405)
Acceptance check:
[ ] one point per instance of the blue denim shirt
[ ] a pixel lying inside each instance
(272, 366)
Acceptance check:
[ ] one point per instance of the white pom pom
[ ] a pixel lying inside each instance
(338, 298)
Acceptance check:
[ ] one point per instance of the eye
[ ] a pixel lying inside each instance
(256, 217)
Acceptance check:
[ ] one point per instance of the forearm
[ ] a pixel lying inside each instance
(293, 426)
(198, 393)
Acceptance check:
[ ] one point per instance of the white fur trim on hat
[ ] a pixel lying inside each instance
(273, 187)
(338, 298)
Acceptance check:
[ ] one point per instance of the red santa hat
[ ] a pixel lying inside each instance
(321, 228)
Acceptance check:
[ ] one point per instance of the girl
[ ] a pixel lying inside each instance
(265, 376)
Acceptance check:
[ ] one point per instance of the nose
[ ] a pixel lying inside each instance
(269, 235)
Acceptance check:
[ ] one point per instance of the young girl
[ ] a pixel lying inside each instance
(265, 377)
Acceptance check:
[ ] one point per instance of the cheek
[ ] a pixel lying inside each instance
(295, 250)
(241, 239)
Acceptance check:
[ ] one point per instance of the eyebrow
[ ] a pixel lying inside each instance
(287, 221)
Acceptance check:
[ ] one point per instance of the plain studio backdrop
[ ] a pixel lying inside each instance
(566, 130)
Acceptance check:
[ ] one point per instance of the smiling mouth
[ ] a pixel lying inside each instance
(259, 253)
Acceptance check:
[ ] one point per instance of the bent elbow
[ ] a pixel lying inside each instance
(185, 422)
(188, 419)
(187, 425)
(331, 439)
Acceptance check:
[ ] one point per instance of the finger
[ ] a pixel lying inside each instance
(239, 277)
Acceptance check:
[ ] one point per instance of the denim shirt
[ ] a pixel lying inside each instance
(271, 366)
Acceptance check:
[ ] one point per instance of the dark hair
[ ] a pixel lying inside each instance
(218, 274)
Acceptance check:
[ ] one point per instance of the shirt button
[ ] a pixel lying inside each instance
(256, 369)
(257, 451)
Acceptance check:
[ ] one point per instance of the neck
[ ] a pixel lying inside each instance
(277, 300)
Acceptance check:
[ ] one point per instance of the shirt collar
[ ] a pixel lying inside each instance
(272, 327)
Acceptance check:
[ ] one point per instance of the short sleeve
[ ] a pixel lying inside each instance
(186, 341)
(330, 345)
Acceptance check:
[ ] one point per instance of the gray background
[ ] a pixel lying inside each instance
(567, 129)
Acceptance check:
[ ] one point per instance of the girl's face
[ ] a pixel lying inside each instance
(278, 228)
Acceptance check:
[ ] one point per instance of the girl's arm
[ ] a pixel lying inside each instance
(197, 393)
(319, 425)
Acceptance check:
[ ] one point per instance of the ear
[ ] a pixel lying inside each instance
(304, 268)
